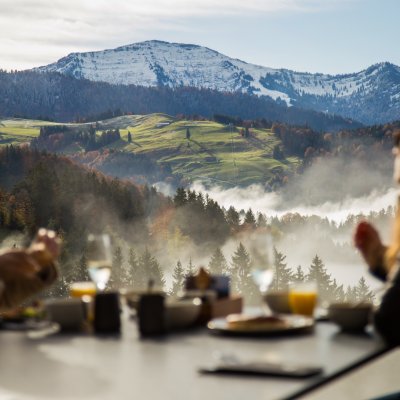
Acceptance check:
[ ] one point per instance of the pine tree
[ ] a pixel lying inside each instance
(233, 219)
(191, 269)
(178, 277)
(215, 227)
(180, 197)
(318, 274)
(218, 264)
(249, 219)
(242, 281)
(299, 276)
(201, 203)
(191, 197)
(282, 273)
(333, 291)
(261, 221)
(351, 295)
(151, 268)
(340, 295)
(80, 271)
(241, 261)
(118, 275)
(363, 292)
(136, 276)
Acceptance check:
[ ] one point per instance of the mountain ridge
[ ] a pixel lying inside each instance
(370, 96)
(59, 97)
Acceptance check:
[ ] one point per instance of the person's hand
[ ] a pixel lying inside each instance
(26, 272)
(368, 241)
(18, 265)
(45, 248)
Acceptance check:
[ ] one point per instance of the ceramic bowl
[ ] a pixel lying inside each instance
(278, 301)
(181, 314)
(132, 297)
(350, 317)
(69, 313)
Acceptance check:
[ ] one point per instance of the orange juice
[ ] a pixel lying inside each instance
(80, 289)
(85, 291)
(302, 302)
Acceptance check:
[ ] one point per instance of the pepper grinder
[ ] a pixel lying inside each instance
(151, 313)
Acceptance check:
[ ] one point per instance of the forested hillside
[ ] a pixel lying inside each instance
(39, 189)
(158, 237)
(61, 98)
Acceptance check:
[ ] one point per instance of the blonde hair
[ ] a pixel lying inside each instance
(393, 249)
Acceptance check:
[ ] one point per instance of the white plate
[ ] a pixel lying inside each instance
(293, 324)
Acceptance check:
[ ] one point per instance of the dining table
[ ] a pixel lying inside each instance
(128, 366)
(373, 380)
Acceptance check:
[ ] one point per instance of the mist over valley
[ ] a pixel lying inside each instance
(310, 197)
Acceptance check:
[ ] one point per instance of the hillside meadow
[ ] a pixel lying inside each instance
(212, 152)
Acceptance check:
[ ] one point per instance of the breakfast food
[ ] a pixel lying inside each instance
(21, 314)
(261, 322)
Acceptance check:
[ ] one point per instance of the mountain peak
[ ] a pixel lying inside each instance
(159, 63)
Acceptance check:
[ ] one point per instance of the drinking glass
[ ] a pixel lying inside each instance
(99, 259)
(262, 270)
(303, 298)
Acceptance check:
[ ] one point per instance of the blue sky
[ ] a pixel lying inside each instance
(340, 36)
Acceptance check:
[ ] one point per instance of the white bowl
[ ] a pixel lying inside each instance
(349, 316)
(181, 314)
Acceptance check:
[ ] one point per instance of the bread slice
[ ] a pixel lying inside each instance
(260, 322)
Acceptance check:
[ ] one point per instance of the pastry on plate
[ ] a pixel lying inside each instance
(260, 322)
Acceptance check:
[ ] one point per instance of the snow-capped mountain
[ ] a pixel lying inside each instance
(370, 96)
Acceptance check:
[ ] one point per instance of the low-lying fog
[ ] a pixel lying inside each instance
(331, 189)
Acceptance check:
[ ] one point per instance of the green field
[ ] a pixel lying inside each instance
(18, 131)
(214, 152)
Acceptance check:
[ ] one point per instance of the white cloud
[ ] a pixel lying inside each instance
(41, 31)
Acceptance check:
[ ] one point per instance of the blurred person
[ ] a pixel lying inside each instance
(383, 263)
(25, 272)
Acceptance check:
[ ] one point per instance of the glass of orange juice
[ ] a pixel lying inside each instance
(303, 298)
(85, 291)
(80, 289)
